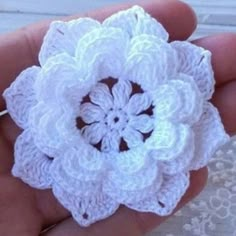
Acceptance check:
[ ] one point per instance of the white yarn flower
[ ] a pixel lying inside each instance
(114, 114)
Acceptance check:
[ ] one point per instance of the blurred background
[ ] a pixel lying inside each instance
(213, 213)
(213, 15)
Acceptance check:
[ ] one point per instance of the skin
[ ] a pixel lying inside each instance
(26, 211)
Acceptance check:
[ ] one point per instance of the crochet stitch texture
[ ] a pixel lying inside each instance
(114, 114)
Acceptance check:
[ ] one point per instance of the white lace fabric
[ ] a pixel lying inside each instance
(213, 212)
(114, 114)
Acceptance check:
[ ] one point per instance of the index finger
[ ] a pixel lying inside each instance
(19, 50)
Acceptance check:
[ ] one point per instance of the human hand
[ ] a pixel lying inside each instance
(26, 211)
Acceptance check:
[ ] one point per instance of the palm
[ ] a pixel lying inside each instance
(27, 208)
(26, 211)
(20, 207)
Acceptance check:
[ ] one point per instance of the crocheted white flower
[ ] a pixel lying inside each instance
(114, 114)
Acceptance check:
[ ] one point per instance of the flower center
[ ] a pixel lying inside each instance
(113, 114)
(116, 119)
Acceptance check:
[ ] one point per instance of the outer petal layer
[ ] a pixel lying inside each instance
(165, 200)
(31, 165)
(150, 62)
(86, 210)
(196, 62)
(63, 37)
(209, 136)
(136, 21)
(20, 96)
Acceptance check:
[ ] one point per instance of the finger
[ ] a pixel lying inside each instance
(6, 152)
(20, 49)
(223, 48)
(225, 100)
(132, 222)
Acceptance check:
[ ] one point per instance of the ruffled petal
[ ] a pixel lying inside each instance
(209, 136)
(101, 96)
(169, 141)
(132, 137)
(111, 142)
(138, 103)
(86, 210)
(79, 171)
(20, 96)
(143, 123)
(91, 113)
(59, 74)
(102, 52)
(196, 62)
(121, 92)
(179, 100)
(125, 188)
(31, 165)
(166, 199)
(94, 133)
(43, 126)
(131, 161)
(136, 21)
(150, 61)
(77, 184)
(63, 37)
(182, 161)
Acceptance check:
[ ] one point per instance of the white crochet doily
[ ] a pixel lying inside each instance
(114, 114)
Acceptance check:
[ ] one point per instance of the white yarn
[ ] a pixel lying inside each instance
(114, 115)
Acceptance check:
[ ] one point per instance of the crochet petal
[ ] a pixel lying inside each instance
(77, 183)
(20, 96)
(182, 161)
(111, 142)
(59, 73)
(94, 133)
(79, 171)
(86, 210)
(125, 188)
(166, 199)
(31, 165)
(143, 123)
(101, 96)
(209, 136)
(179, 100)
(169, 141)
(150, 61)
(91, 113)
(132, 137)
(196, 62)
(63, 37)
(138, 103)
(136, 21)
(102, 52)
(121, 92)
(43, 125)
(131, 161)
